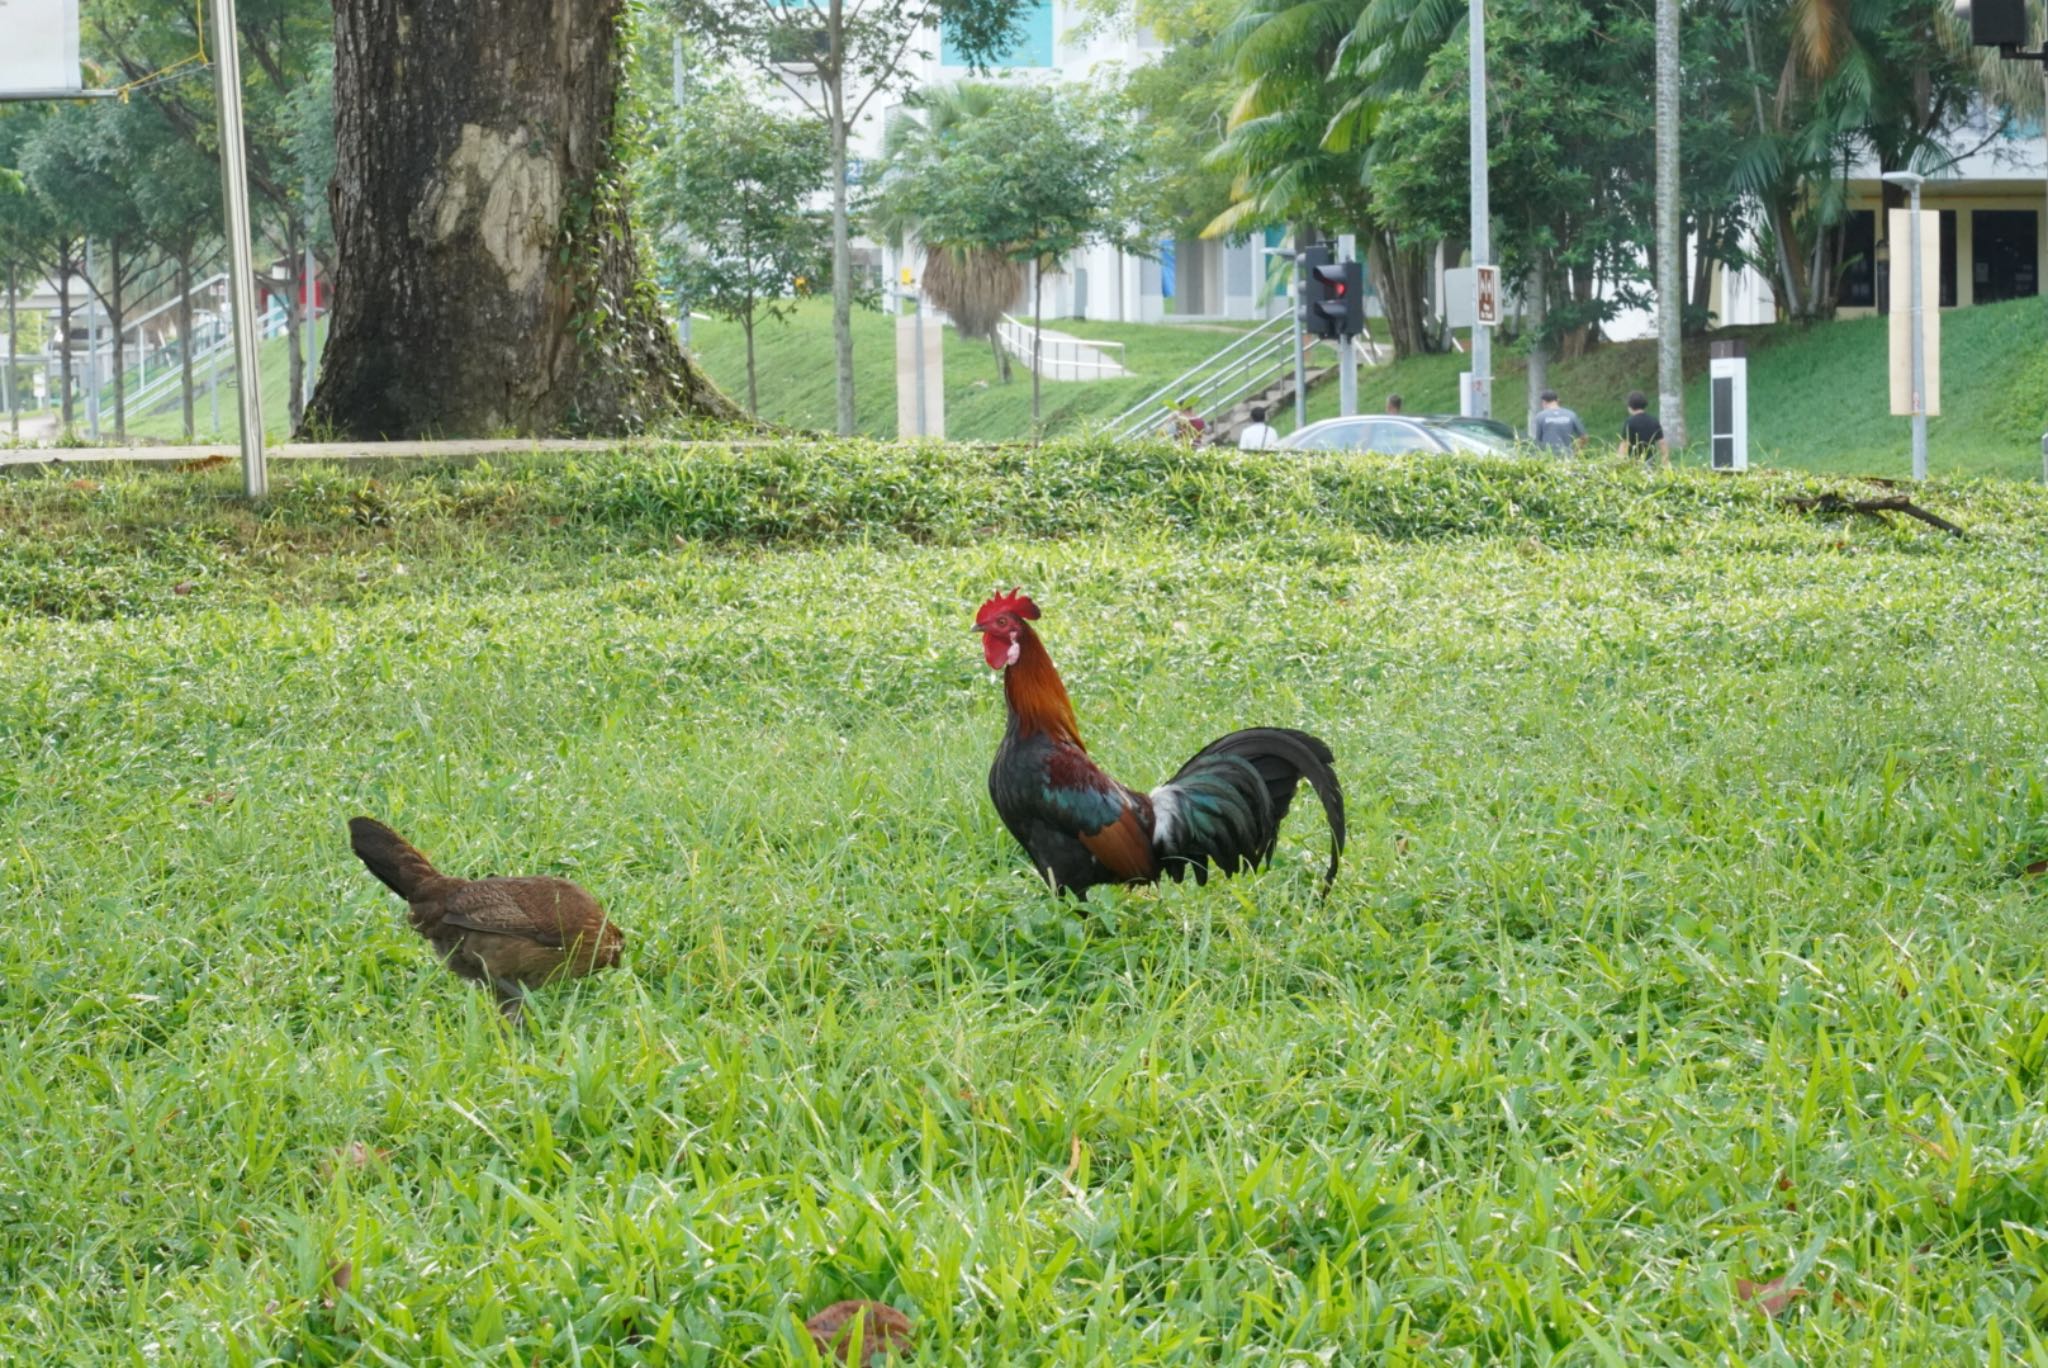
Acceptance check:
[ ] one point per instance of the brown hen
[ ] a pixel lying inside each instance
(512, 934)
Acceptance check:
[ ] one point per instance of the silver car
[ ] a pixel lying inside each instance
(1390, 435)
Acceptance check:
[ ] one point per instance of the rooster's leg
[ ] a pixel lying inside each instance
(511, 998)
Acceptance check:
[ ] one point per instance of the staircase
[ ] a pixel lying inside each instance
(1254, 368)
(1274, 398)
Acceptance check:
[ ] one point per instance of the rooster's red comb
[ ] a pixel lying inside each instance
(1012, 602)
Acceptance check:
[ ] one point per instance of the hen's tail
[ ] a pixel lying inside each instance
(1227, 803)
(389, 856)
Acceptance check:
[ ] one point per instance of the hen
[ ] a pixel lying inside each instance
(511, 934)
(1082, 828)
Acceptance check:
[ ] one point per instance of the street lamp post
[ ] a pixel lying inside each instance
(1911, 181)
(1482, 220)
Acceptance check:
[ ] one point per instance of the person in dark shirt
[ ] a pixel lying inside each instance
(1641, 432)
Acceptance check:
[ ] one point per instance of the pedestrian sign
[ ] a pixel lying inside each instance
(1486, 296)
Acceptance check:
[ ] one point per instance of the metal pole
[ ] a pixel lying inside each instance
(92, 350)
(1919, 348)
(917, 324)
(1347, 346)
(234, 180)
(682, 234)
(1300, 350)
(1482, 213)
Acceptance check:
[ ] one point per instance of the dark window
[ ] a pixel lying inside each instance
(1858, 289)
(1948, 258)
(2006, 254)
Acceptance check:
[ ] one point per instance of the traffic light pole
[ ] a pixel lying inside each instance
(1347, 345)
(1301, 292)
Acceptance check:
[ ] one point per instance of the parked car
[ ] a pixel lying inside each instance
(1392, 436)
(1484, 427)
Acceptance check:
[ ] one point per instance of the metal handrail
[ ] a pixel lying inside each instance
(1198, 381)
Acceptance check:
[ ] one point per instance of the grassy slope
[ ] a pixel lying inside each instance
(273, 375)
(1818, 398)
(797, 387)
(1682, 939)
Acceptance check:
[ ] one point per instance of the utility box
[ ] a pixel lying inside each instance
(1472, 396)
(1728, 391)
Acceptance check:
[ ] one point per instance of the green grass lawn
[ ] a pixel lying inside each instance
(1818, 397)
(1687, 937)
(798, 384)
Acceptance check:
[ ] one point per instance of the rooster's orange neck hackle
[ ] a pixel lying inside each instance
(1036, 695)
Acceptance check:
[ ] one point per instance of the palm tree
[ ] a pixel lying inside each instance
(975, 283)
(1300, 139)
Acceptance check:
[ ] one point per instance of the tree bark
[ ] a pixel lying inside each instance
(117, 316)
(485, 275)
(64, 337)
(1037, 343)
(753, 388)
(1670, 248)
(294, 321)
(185, 341)
(1399, 276)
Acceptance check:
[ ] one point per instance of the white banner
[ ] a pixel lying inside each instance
(38, 47)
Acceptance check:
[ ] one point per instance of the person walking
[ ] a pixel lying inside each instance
(1258, 435)
(1557, 428)
(1641, 432)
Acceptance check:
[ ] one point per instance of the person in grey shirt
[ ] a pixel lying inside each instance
(1556, 428)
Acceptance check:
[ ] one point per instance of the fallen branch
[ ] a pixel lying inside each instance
(1832, 502)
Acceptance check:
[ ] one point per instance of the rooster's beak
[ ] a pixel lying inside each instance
(979, 627)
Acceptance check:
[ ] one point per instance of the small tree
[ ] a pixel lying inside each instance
(836, 57)
(752, 245)
(1036, 175)
(177, 190)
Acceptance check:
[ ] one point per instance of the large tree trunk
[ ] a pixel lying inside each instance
(485, 275)
(1670, 246)
(185, 339)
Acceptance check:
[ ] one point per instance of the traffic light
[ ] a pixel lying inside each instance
(1336, 299)
(1995, 23)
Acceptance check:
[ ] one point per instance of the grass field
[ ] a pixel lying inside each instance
(1818, 397)
(1686, 939)
(799, 388)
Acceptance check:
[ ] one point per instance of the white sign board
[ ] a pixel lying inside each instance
(1899, 223)
(39, 47)
(1486, 296)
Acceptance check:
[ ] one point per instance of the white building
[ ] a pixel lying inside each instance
(1188, 278)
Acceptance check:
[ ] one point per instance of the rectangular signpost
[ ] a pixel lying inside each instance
(39, 60)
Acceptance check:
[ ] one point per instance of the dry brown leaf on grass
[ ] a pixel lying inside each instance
(213, 462)
(1770, 1297)
(87, 486)
(883, 1329)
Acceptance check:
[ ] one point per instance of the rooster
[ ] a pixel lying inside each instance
(511, 934)
(1081, 828)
